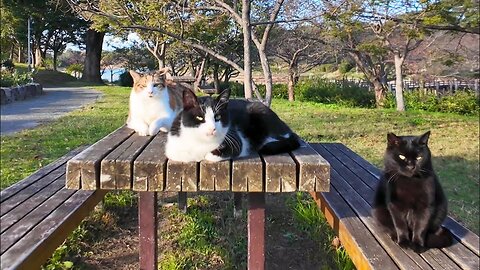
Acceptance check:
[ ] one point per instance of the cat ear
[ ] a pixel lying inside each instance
(424, 138)
(222, 99)
(393, 139)
(189, 100)
(135, 75)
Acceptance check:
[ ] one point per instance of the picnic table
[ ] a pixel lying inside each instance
(125, 161)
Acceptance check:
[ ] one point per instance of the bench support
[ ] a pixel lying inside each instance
(182, 202)
(256, 231)
(147, 222)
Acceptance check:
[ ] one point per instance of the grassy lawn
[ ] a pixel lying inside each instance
(454, 143)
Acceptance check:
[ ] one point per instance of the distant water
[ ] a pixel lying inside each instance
(116, 74)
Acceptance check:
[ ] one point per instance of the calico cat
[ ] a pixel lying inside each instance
(154, 102)
(218, 129)
(409, 202)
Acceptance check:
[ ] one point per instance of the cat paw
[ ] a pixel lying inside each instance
(214, 158)
(417, 248)
(403, 242)
(142, 132)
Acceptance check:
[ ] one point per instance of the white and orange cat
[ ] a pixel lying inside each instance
(155, 101)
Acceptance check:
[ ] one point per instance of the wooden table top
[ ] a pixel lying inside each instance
(125, 161)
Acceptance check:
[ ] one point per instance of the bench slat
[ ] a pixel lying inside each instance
(181, 176)
(280, 173)
(213, 175)
(247, 174)
(405, 259)
(438, 260)
(27, 206)
(362, 247)
(33, 250)
(39, 174)
(117, 167)
(462, 234)
(462, 256)
(150, 166)
(31, 190)
(83, 170)
(313, 169)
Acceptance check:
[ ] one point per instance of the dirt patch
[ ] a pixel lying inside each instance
(287, 246)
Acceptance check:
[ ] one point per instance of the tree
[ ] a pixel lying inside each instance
(93, 54)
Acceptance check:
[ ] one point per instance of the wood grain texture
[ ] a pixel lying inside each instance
(147, 223)
(149, 167)
(462, 256)
(117, 167)
(181, 176)
(215, 176)
(247, 174)
(39, 174)
(280, 173)
(32, 251)
(83, 170)
(314, 170)
(256, 230)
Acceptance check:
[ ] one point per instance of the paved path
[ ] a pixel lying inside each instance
(54, 103)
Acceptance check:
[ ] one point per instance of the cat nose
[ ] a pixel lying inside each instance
(212, 131)
(410, 167)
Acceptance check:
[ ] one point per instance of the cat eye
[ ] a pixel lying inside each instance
(402, 157)
(199, 118)
(217, 117)
(418, 158)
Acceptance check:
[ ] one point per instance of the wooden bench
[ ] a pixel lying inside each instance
(347, 209)
(125, 161)
(38, 214)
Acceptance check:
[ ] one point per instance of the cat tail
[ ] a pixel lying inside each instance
(439, 239)
(281, 146)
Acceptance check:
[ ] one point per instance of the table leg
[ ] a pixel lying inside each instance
(147, 222)
(182, 201)
(237, 204)
(256, 231)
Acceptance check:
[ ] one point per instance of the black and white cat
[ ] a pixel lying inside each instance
(409, 201)
(218, 129)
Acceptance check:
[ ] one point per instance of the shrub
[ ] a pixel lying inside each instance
(327, 68)
(125, 79)
(8, 65)
(75, 69)
(345, 66)
(8, 79)
(461, 102)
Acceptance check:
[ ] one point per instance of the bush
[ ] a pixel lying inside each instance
(125, 79)
(461, 102)
(323, 91)
(8, 65)
(345, 66)
(15, 78)
(75, 69)
(327, 68)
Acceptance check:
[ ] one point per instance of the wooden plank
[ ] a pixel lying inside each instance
(361, 245)
(30, 204)
(438, 260)
(313, 169)
(214, 175)
(359, 160)
(247, 174)
(464, 235)
(83, 170)
(117, 167)
(149, 167)
(462, 256)
(34, 250)
(256, 230)
(280, 173)
(181, 176)
(31, 190)
(39, 174)
(147, 223)
(405, 259)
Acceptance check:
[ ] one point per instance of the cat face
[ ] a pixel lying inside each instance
(149, 85)
(205, 118)
(407, 155)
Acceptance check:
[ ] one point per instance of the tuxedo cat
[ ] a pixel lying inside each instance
(217, 129)
(154, 102)
(409, 201)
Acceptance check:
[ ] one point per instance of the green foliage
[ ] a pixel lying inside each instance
(8, 65)
(327, 68)
(74, 69)
(125, 79)
(345, 66)
(14, 78)
(323, 91)
(461, 102)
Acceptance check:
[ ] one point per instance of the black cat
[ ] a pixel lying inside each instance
(221, 128)
(409, 201)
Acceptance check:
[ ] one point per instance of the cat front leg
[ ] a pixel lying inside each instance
(419, 231)
(401, 226)
(139, 126)
(161, 124)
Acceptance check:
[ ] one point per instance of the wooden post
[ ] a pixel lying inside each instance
(182, 201)
(147, 223)
(256, 231)
(237, 204)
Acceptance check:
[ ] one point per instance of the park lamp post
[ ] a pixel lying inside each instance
(29, 52)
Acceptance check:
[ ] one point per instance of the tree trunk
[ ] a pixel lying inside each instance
(20, 59)
(247, 36)
(91, 68)
(161, 58)
(267, 75)
(199, 75)
(38, 56)
(55, 53)
(216, 79)
(399, 82)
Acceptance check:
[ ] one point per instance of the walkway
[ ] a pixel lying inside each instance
(55, 103)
